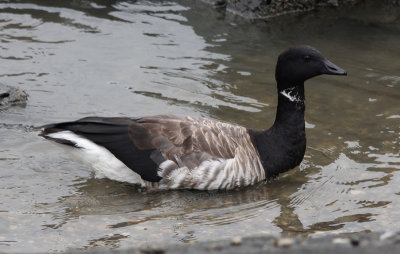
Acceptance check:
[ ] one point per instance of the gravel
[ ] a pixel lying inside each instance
(363, 242)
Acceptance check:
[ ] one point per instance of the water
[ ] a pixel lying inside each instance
(119, 58)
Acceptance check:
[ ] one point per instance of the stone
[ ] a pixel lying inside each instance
(285, 242)
(236, 241)
(341, 241)
(10, 96)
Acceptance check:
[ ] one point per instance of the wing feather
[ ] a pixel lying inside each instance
(187, 140)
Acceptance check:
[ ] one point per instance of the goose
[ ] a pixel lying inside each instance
(173, 152)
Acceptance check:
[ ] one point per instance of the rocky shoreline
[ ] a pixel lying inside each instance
(266, 9)
(344, 243)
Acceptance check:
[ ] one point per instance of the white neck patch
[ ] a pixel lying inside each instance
(291, 94)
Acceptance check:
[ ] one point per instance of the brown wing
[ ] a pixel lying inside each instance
(186, 141)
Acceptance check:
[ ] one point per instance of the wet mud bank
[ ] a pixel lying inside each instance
(266, 9)
(341, 243)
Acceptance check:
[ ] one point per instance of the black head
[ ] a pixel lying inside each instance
(297, 64)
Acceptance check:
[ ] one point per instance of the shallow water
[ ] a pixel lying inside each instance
(120, 58)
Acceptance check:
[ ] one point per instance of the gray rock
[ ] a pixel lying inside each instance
(10, 96)
(264, 9)
(394, 2)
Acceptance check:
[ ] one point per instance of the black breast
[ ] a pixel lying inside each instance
(280, 149)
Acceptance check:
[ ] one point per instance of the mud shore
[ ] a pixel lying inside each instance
(363, 242)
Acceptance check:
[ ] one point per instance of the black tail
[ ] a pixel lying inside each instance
(112, 134)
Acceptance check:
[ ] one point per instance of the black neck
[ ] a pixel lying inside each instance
(291, 106)
(282, 146)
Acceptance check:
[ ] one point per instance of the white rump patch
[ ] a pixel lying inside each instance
(102, 160)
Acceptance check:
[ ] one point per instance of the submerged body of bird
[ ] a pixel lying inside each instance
(171, 152)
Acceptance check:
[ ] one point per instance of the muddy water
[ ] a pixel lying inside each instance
(119, 58)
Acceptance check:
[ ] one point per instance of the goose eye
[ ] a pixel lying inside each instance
(307, 58)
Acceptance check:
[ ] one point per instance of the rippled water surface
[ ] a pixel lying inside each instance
(121, 58)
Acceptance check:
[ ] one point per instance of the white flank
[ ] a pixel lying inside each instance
(102, 160)
(211, 179)
(177, 177)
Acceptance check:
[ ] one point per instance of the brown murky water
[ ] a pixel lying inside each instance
(121, 58)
